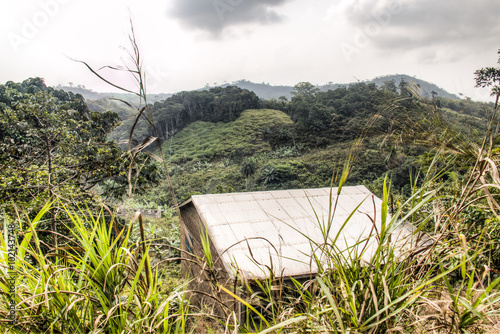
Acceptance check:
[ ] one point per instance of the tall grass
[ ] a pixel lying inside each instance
(405, 286)
(104, 283)
(100, 283)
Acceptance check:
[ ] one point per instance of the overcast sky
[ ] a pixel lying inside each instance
(186, 44)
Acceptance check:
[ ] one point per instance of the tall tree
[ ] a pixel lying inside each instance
(490, 77)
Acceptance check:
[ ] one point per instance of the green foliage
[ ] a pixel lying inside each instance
(102, 282)
(51, 143)
(164, 236)
(248, 167)
(489, 77)
(219, 104)
(274, 174)
(53, 146)
(206, 140)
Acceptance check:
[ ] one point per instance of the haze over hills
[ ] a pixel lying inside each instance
(267, 91)
(89, 94)
(426, 87)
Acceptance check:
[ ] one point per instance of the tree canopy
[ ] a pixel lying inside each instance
(218, 104)
(51, 144)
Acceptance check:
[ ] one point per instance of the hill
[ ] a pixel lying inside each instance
(262, 150)
(426, 87)
(298, 143)
(89, 94)
(266, 91)
(246, 135)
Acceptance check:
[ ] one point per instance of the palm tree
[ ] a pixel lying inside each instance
(248, 169)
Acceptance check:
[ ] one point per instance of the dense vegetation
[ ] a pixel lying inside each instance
(268, 92)
(298, 143)
(70, 265)
(53, 146)
(176, 112)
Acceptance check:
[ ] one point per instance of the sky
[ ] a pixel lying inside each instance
(188, 44)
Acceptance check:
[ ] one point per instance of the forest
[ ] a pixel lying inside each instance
(70, 263)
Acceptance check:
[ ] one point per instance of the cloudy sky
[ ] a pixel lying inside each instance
(186, 44)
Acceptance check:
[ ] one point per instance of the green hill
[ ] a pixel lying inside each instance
(261, 150)
(301, 142)
(245, 136)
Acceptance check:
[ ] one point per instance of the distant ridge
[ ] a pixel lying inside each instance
(426, 87)
(266, 91)
(89, 94)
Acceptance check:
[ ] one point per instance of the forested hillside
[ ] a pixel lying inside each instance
(267, 91)
(300, 142)
(275, 96)
(221, 140)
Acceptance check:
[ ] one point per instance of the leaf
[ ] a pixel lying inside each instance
(148, 141)
(284, 324)
(154, 157)
(102, 78)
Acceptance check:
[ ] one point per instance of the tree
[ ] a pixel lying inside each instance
(52, 145)
(390, 86)
(304, 95)
(305, 89)
(248, 169)
(489, 77)
(274, 174)
(403, 88)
